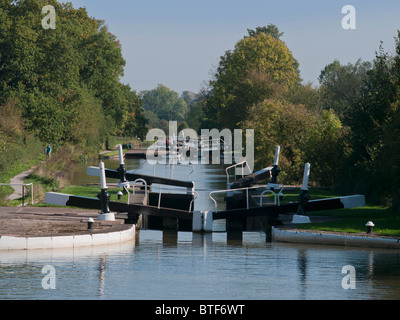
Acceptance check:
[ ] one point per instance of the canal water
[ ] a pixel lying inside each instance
(162, 265)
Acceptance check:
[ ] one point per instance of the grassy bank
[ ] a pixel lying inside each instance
(17, 159)
(50, 174)
(387, 222)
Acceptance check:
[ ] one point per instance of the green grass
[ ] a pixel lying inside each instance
(387, 222)
(113, 153)
(14, 170)
(93, 191)
(292, 196)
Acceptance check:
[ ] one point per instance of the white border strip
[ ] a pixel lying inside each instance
(333, 239)
(25, 243)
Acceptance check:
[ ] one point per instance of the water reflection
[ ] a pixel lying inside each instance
(102, 276)
(302, 268)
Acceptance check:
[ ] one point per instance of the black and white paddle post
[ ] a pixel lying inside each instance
(122, 171)
(275, 170)
(303, 198)
(104, 197)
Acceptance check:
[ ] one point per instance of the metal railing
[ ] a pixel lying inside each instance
(133, 183)
(140, 180)
(165, 188)
(268, 189)
(234, 166)
(265, 191)
(172, 169)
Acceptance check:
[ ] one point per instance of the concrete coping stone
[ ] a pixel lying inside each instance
(331, 238)
(50, 228)
(67, 241)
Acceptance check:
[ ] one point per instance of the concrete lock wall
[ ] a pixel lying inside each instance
(53, 242)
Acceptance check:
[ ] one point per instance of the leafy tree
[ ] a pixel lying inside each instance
(64, 76)
(271, 30)
(164, 103)
(373, 119)
(380, 110)
(277, 122)
(196, 116)
(246, 76)
(306, 95)
(327, 147)
(189, 97)
(341, 86)
(373, 109)
(386, 170)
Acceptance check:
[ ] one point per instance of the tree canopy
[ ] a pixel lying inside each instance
(65, 80)
(162, 105)
(247, 75)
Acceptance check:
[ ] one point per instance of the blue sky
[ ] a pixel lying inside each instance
(178, 42)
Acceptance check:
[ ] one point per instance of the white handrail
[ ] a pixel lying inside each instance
(191, 202)
(133, 187)
(172, 169)
(230, 190)
(160, 192)
(235, 165)
(268, 190)
(183, 165)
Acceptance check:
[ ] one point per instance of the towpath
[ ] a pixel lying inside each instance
(19, 179)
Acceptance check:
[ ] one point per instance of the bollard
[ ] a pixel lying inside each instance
(119, 194)
(369, 226)
(90, 223)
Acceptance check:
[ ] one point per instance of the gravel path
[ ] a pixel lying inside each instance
(19, 179)
(42, 221)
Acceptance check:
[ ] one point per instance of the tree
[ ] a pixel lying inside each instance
(327, 147)
(189, 97)
(380, 110)
(271, 30)
(246, 76)
(164, 103)
(56, 75)
(306, 95)
(373, 108)
(386, 172)
(341, 86)
(373, 119)
(277, 122)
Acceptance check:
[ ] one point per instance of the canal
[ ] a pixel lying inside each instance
(164, 265)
